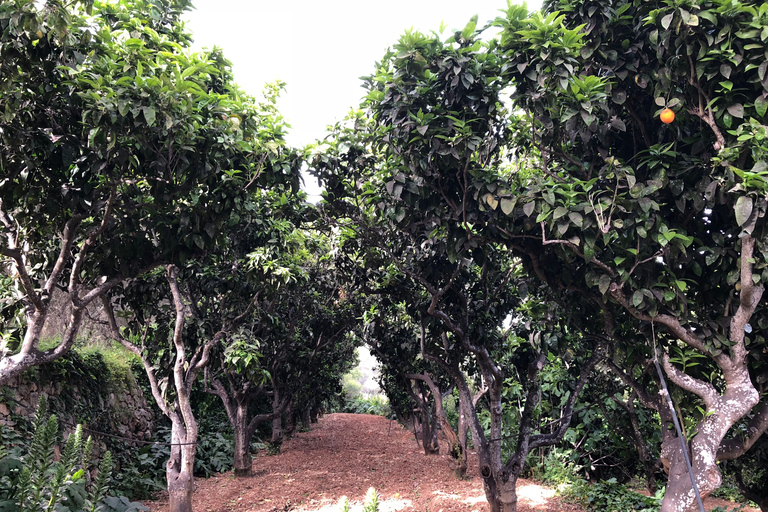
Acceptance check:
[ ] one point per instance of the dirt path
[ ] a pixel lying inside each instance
(344, 455)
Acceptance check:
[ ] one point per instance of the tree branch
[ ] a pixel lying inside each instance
(87, 243)
(705, 390)
(153, 383)
(735, 447)
(749, 297)
(567, 412)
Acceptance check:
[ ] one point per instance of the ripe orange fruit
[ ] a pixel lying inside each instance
(667, 116)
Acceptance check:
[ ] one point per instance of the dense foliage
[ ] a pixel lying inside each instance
(508, 223)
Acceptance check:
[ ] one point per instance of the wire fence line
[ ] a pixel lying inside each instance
(97, 432)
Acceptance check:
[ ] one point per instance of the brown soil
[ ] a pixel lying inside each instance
(344, 455)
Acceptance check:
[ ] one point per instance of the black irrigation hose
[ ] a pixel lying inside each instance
(679, 431)
(96, 432)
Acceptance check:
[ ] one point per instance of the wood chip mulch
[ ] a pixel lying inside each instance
(344, 455)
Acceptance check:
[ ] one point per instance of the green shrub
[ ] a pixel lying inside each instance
(556, 468)
(32, 481)
(610, 495)
(376, 405)
(143, 472)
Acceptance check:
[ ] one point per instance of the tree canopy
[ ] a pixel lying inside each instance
(508, 215)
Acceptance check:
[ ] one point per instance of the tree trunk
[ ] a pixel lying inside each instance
(306, 419)
(290, 424)
(501, 495)
(456, 449)
(243, 462)
(434, 431)
(499, 484)
(428, 432)
(739, 398)
(313, 415)
(462, 435)
(428, 425)
(277, 421)
(180, 466)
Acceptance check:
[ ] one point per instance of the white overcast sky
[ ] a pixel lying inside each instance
(319, 48)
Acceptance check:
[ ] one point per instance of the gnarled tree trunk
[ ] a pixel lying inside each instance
(456, 449)
(181, 464)
(243, 462)
(722, 411)
(739, 398)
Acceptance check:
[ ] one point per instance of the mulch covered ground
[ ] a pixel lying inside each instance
(344, 455)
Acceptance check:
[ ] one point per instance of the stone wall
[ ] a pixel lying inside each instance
(81, 390)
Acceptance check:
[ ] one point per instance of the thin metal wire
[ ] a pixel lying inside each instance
(98, 433)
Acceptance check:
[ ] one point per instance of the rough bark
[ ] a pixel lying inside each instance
(723, 410)
(277, 420)
(243, 462)
(737, 400)
(428, 426)
(181, 463)
(288, 421)
(457, 451)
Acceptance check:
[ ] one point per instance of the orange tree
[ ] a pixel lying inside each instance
(660, 225)
(655, 229)
(404, 184)
(119, 151)
(124, 156)
(295, 343)
(180, 318)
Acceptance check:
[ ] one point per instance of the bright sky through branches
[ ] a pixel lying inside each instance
(319, 48)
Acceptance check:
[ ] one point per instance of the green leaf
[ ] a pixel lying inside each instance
(667, 20)
(560, 211)
(469, 29)
(604, 283)
(736, 110)
(149, 115)
(761, 105)
(637, 298)
(576, 219)
(528, 208)
(507, 205)
(743, 209)
(543, 216)
(589, 251)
